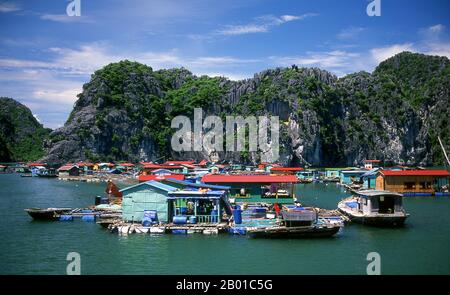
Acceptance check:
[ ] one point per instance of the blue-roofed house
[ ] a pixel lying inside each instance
(150, 195)
(350, 176)
(370, 178)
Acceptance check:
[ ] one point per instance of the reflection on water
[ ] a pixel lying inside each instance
(27, 246)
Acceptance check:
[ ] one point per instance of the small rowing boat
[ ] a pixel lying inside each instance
(47, 213)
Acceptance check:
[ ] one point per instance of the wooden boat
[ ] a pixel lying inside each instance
(46, 213)
(26, 175)
(374, 207)
(297, 222)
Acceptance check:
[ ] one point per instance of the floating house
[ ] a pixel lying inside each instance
(375, 207)
(413, 182)
(150, 195)
(370, 178)
(256, 188)
(332, 173)
(371, 164)
(150, 167)
(201, 205)
(350, 176)
(103, 166)
(159, 174)
(285, 170)
(126, 167)
(68, 170)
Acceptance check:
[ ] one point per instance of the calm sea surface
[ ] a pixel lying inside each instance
(31, 247)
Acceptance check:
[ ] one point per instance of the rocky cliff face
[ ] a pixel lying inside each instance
(394, 114)
(21, 135)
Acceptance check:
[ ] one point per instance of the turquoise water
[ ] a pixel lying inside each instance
(31, 247)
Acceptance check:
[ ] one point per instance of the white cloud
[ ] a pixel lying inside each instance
(244, 29)
(288, 18)
(383, 53)
(9, 6)
(262, 24)
(350, 33)
(337, 61)
(64, 18)
(441, 49)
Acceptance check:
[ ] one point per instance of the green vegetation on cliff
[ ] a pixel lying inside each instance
(394, 114)
(21, 135)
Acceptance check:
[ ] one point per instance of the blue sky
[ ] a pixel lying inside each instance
(46, 55)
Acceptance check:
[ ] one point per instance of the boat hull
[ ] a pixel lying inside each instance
(382, 221)
(45, 214)
(294, 232)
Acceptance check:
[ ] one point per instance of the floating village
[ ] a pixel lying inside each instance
(185, 197)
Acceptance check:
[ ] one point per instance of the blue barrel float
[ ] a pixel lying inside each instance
(88, 218)
(193, 219)
(65, 218)
(237, 216)
(180, 219)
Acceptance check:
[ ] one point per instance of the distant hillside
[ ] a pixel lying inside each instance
(21, 135)
(394, 114)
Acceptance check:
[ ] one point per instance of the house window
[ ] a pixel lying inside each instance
(425, 185)
(410, 185)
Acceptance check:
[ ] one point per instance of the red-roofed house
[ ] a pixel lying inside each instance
(412, 182)
(68, 170)
(35, 164)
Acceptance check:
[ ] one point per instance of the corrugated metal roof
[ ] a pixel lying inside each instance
(66, 167)
(242, 178)
(155, 184)
(373, 193)
(143, 178)
(415, 173)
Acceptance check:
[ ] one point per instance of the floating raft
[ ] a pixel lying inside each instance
(130, 228)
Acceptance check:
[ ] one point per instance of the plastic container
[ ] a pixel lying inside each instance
(104, 201)
(183, 210)
(237, 216)
(65, 218)
(98, 200)
(180, 220)
(88, 218)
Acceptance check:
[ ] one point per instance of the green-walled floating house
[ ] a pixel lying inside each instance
(150, 195)
(256, 188)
